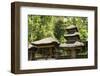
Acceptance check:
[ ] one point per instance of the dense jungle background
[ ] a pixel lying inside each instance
(40, 26)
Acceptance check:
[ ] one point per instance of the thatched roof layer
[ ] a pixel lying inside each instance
(74, 34)
(30, 46)
(45, 41)
(71, 27)
(70, 45)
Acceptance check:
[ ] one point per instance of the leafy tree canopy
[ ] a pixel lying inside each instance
(40, 27)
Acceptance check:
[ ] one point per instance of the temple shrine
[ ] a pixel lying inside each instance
(72, 44)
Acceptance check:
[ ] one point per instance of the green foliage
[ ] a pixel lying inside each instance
(40, 26)
(82, 25)
(59, 32)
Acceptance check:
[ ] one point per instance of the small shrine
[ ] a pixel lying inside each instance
(43, 49)
(72, 44)
(50, 48)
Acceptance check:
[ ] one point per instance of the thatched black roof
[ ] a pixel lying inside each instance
(70, 35)
(71, 27)
(46, 41)
(72, 45)
(31, 47)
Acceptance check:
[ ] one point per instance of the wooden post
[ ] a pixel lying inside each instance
(73, 53)
(31, 55)
(50, 52)
(56, 54)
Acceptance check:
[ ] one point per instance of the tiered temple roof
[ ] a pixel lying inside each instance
(72, 45)
(72, 37)
(45, 42)
(71, 27)
(74, 34)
